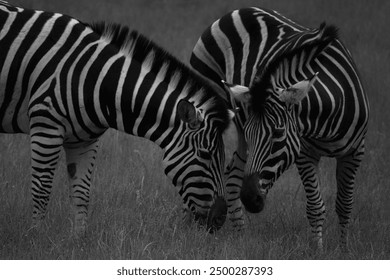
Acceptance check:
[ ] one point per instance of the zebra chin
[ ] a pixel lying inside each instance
(252, 194)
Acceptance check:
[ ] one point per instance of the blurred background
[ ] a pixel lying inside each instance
(134, 209)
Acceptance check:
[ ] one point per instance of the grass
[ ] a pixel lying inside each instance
(135, 211)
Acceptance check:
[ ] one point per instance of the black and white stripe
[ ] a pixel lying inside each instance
(265, 58)
(65, 83)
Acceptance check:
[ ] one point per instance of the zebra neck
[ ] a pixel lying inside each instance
(137, 100)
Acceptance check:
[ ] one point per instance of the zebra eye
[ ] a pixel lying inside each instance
(204, 154)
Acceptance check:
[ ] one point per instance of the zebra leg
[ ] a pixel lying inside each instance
(46, 145)
(307, 164)
(80, 161)
(347, 167)
(234, 173)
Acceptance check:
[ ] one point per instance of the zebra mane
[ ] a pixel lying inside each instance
(310, 46)
(5, 3)
(131, 42)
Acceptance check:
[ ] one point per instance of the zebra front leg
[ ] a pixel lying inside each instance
(46, 145)
(80, 161)
(234, 173)
(307, 164)
(347, 167)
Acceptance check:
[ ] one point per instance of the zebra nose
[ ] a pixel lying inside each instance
(217, 215)
(252, 198)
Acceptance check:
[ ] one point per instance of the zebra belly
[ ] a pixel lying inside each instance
(329, 147)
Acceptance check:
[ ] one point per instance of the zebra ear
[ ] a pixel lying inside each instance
(295, 93)
(232, 114)
(239, 93)
(189, 114)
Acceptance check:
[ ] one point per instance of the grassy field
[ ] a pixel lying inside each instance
(135, 211)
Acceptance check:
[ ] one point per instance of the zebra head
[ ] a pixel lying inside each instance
(195, 160)
(272, 138)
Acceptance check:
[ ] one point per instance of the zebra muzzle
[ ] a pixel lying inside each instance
(215, 218)
(217, 215)
(253, 194)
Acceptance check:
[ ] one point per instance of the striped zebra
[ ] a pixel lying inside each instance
(301, 99)
(65, 83)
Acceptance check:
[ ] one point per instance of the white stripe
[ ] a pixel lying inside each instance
(49, 55)
(224, 45)
(7, 123)
(41, 38)
(83, 76)
(120, 91)
(264, 36)
(242, 32)
(202, 54)
(159, 113)
(157, 81)
(145, 69)
(7, 25)
(334, 79)
(352, 85)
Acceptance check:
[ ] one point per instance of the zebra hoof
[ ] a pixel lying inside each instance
(37, 220)
(36, 224)
(79, 232)
(79, 228)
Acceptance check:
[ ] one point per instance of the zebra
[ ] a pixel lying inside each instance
(65, 83)
(300, 98)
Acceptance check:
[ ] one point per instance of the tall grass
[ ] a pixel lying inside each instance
(135, 211)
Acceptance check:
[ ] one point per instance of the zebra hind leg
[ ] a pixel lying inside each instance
(347, 167)
(307, 164)
(80, 161)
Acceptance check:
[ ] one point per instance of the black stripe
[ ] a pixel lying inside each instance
(152, 109)
(252, 26)
(227, 27)
(128, 91)
(5, 46)
(212, 47)
(16, 64)
(3, 18)
(108, 90)
(205, 70)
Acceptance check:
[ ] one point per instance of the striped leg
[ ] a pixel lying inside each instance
(235, 173)
(46, 145)
(80, 160)
(307, 164)
(347, 167)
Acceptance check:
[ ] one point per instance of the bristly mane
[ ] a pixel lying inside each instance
(132, 43)
(316, 43)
